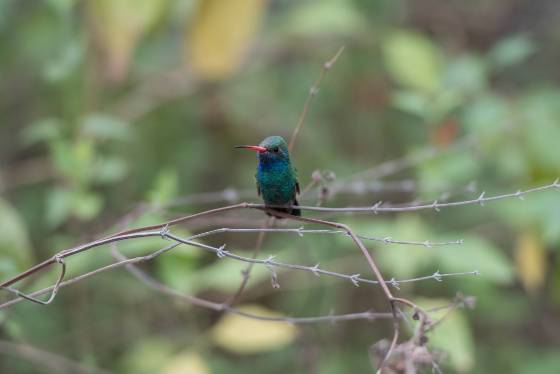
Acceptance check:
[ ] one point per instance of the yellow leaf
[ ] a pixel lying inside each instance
(530, 261)
(243, 335)
(221, 33)
(186, 362)
(118, 25)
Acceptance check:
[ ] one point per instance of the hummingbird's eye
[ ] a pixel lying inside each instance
(275, 149)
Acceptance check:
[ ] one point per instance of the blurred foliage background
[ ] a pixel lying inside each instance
(108, 104)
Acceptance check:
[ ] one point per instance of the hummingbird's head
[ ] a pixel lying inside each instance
(273, 148)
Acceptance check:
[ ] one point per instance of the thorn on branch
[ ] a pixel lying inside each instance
(435, 206)
(164, 231)
(315, 270)
(481, 198)
(370, 315)
(270, 260)
(376, 206)
(332, 318)
(221, 253)
(329, 64)
(274, 279)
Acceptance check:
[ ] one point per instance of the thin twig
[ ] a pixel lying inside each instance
(246, 273)
(47, 360)
(158, 286)
(301, 232)
(312, 93)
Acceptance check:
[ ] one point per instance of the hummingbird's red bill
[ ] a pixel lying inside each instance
(257, 148)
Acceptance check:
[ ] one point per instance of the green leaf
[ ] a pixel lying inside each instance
(65, 161)
(541, 210)
(403, 261)
(175, 267)
(62, 6)
(15, 247)
(456, 169)
(539, 125)
(66, 62)
(314, 17)
(477, 254)
(105, 127)
(466, 74)
(453, 335)
(512, 50)
(413, 61)
(58, 205)
(109, 170)
(412, 102)
(43, 130)
(86, 205)
(165, 188)
(226, 276)
(487, 118)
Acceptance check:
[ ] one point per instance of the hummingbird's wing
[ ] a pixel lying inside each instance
(258, 188)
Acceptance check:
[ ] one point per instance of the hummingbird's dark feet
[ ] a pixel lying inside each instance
(293, 210)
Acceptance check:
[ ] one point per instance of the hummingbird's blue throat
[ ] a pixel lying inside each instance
(268, 163)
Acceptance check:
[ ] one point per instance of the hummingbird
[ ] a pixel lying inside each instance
(276, 178)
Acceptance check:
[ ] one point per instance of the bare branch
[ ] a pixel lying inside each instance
(435, 205)
(301, 232)
(221, 253)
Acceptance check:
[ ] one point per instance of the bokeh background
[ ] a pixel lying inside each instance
(108, 104)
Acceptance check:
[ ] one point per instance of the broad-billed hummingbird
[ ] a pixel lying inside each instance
(276, 178)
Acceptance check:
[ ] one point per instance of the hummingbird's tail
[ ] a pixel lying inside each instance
(295, 211)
